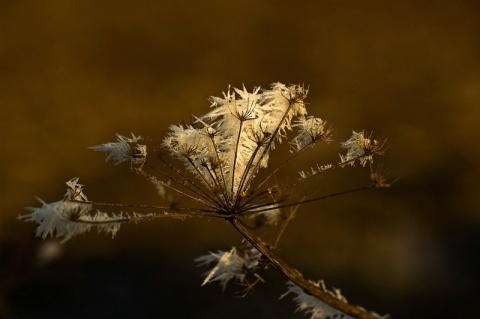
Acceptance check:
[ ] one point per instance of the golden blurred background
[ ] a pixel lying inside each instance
(74, 73)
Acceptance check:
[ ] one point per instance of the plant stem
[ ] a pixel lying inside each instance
(297, 278)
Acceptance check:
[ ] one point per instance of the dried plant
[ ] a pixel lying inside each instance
(222, 153)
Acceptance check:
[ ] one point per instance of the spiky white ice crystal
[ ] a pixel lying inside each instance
(125, 149)
(314, 171)
(230, 265)
(312, 306)
(55, 219)
(75, 191)
(71, 216)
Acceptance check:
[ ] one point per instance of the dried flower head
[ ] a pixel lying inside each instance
(222, 153)
(361, 147)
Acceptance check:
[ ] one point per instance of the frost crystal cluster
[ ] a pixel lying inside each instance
(222, 152)
(233, 141)
(311, 305)
(70, 216)
(125, 149)
(230, 265)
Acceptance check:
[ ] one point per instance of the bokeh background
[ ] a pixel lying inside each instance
(74, 73)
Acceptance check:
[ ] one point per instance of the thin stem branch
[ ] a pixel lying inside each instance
(332, 167)
(290, 216)
(202, 199)
(282, 165)
(220, 165)
(187, 211)
(205, 179)
(301, 202)
(201, 192)
(234, 167)
(271, 140)
(218, 189)
(245, 174)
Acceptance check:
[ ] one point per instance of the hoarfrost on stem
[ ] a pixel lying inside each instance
(313, 306)
(71, 216)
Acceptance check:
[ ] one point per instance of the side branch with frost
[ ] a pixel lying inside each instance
(222, 153)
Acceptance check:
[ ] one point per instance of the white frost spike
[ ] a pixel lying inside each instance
(314, 171)
(229, 266)
(313, 306)
(126, 149)
(252, 257)
(75, 191)
(56, 218)
(70, 217)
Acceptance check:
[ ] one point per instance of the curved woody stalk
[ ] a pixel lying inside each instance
(222, 152)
